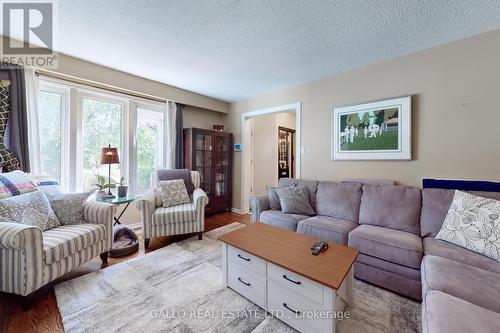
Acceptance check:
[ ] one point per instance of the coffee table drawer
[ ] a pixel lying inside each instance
(293, 308)
(296, 282)
(247, 282)
(246, 259)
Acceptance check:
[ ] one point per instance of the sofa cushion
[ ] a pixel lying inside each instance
(311, 185)
(435, 205)
(280, 219)
(443, 313)
(444, 249)
(175, 214)
(391, 206)
(339, 200)
(469, 283)
(396, 246)
(326, 228)
(65, 240)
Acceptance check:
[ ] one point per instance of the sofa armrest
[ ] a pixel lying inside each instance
(258, 204)
(200, 200)
(146, 205)
(97, 212)
(21, 246)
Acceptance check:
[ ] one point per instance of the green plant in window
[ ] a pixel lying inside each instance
(101, 183)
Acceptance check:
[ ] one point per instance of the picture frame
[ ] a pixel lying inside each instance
(378, 130)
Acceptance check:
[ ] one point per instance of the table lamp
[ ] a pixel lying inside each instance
(109, 156)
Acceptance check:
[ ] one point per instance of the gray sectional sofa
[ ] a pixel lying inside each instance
(394, 228)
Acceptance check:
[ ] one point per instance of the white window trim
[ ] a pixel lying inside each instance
(71, 129)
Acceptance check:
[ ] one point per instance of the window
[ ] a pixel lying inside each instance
(53, 116)
(101, 126)
(76, 121)
(150, 126)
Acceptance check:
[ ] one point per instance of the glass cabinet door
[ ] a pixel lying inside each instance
(203, 160)
(221, 163)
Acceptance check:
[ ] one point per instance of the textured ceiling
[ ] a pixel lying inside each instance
(241, 48)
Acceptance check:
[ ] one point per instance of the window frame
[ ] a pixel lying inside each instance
(72, 129)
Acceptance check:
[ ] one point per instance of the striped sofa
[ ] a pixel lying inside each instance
(30, 258)
(177, 220)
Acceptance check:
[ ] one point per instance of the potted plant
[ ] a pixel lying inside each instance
(122, 188)
(101, 193)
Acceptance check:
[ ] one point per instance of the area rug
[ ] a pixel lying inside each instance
(179, 288)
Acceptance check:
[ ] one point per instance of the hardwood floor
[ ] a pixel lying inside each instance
(44, 316)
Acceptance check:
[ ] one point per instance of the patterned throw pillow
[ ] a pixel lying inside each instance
(30, 208)
(473, 222)
(173, 193)
(295, 200)
(69, 207)
(16, 183)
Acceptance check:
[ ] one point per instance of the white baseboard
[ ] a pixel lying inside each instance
(239, 211)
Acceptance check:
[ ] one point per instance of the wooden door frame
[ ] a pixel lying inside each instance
(293, 107)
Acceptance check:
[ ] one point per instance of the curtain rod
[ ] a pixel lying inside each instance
(98, 85)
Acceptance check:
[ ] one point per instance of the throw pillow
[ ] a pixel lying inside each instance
(69, 207)
(173, 174)
(273, 198)
(295, 200)
(48, 184)
(31, 208)
(473, 222)
(16, 183)
(173, 193)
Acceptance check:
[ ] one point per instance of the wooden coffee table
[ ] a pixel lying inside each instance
(274, 268)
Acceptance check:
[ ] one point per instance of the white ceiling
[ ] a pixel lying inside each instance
(241, 48)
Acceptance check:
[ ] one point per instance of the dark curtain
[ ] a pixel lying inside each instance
(179, 146)
(16, 135)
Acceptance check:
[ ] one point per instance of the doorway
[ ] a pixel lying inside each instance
(286, 152)
(261, 148)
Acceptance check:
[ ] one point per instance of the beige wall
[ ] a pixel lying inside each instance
(201, 118)
(456, 114)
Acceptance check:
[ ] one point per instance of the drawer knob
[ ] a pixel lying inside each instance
(241, 257)
(290, 309)
(248, 284)
(293, 281)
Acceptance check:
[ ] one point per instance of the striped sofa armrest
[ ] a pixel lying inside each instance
(146, 205)
(21, 254)
(101, 213)
(200, 200)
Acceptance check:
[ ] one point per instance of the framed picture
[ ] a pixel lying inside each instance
(372, 131)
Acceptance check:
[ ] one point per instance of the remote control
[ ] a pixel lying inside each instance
(318, 247)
